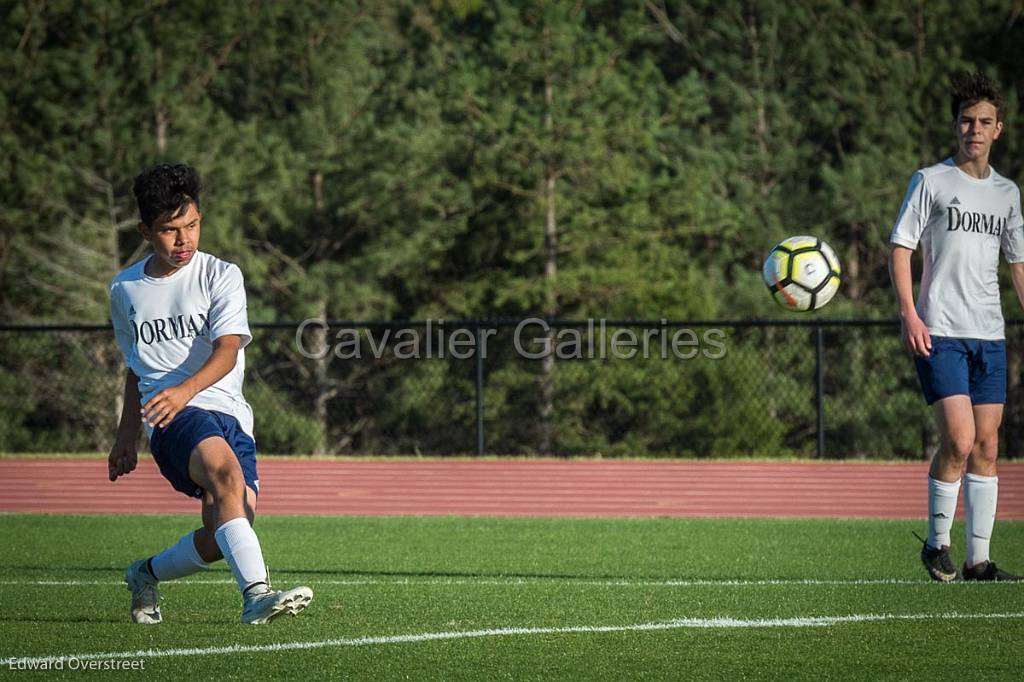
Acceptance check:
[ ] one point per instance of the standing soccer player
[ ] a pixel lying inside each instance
(961, 212)
(180, 320)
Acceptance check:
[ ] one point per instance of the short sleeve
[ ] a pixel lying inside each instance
(122, 326)
(1013, 234)
(228, 314)
(914, 214)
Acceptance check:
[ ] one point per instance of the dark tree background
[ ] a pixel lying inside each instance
(404, 160)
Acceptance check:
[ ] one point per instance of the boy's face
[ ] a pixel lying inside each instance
(976, 128)
(176, 240)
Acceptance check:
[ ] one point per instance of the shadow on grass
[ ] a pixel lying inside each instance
(369, 573)
(91, 620)
(348, 573)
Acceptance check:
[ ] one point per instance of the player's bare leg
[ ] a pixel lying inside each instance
(226, 517)
(985, 450)
(205, 541)
(955, 418)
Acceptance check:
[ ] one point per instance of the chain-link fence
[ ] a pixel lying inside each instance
(835, 389)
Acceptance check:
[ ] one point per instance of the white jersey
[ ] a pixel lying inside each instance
(166, 326)
(961, 223)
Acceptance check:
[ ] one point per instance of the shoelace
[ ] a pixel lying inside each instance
(924, 542)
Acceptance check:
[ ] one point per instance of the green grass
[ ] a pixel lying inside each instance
(403, 576)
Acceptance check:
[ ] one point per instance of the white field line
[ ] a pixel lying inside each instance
(512, 581)
(29, 662)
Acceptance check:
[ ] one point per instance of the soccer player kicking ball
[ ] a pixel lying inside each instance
(180, 319)
(962, 213)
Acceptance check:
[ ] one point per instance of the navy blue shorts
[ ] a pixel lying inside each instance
(968, 367)
(172, 446)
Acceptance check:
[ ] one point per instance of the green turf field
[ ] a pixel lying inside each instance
(457, 598)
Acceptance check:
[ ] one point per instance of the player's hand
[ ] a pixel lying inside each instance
(915, 336)
(123, 458)
(165, 405)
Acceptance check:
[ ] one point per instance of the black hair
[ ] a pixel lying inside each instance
(165, 191)
(968, 88)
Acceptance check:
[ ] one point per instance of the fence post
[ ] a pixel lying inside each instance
(479, 390)
(819, 388)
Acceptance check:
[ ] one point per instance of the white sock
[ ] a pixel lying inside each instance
(980, 493)
(177, 561)
(241, 549)
(941, 510)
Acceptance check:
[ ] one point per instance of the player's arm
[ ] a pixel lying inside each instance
(1017, 274)
(914, 332)
(166, 404)
(125, 454)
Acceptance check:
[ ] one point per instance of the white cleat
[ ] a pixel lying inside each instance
(263, 605)
(145, 594)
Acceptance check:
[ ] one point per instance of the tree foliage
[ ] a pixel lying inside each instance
(479, 160)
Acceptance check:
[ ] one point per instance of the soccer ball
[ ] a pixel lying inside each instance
(803, 273)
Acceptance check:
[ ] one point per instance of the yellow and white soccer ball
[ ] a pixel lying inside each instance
(803, 273)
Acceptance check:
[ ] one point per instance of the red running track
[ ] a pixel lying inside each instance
(509, 488)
